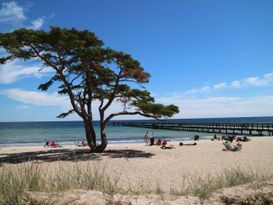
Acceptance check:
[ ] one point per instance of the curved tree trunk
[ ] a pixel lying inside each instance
(90, 135)
(103, 137)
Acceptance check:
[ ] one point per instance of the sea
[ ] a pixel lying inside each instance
(68, 132)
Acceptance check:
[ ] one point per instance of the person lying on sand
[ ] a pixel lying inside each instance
(81, 144)
(164, 145)
(242, 139)
(52, 144)
(187, 144)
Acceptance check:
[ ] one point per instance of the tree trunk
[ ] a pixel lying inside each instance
(90, 135)
(103, 137)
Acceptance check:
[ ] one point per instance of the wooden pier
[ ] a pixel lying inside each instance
(251, 129)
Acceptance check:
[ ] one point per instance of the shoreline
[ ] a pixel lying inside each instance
(71, 145)
(120, 142)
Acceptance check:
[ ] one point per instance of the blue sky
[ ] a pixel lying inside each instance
(211, 58)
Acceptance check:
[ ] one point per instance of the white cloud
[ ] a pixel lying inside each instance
(204, 89)
(13, 16)
(235, 84)
(30, 98)
(266, 80)
(11, 12)
(194, 106)
(269, 77)
(254, 81)
(37, 23)
(36, 98)
(220, 86)
(14, 70)
(221, 106)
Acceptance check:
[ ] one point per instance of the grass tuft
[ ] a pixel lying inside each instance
(204, 186)
(17, 181)
(14, 181)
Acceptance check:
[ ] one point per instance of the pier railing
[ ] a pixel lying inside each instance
(258, 129)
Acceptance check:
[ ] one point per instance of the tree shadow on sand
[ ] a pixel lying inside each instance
(70, 155)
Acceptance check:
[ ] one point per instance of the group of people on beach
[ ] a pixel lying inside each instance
(228, 146)
(54, 144)
(165, 144)
(231, 138)
(149, 141)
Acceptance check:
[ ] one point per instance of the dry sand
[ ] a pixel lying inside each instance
(149, 166)
(259, 193)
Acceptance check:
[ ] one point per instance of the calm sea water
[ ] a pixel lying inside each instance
(37, 133)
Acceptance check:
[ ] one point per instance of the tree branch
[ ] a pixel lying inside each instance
(101, 104)
(71, 82)
(63, 115)
(59, 71)
(127, 113)
(111, 99)
(132, 81)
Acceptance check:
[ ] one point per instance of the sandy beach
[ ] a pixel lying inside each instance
(150, 166)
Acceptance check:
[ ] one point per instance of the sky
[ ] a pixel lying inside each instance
(211, 58)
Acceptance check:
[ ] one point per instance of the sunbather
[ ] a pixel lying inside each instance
(81, 144)
(187, 144)
(48, 144)
(164, 145)
(242, 139)
(55, 145)
(158, 142)
(52, 144)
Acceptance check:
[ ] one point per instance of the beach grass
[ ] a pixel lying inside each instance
(17, 181)
(204, 186)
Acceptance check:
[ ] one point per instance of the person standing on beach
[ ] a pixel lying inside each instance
(147, 138)
(152, 139)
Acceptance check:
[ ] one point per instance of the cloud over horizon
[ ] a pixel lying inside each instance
(37, 98)
(191, 107)
(265, 80)
(220, 106)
